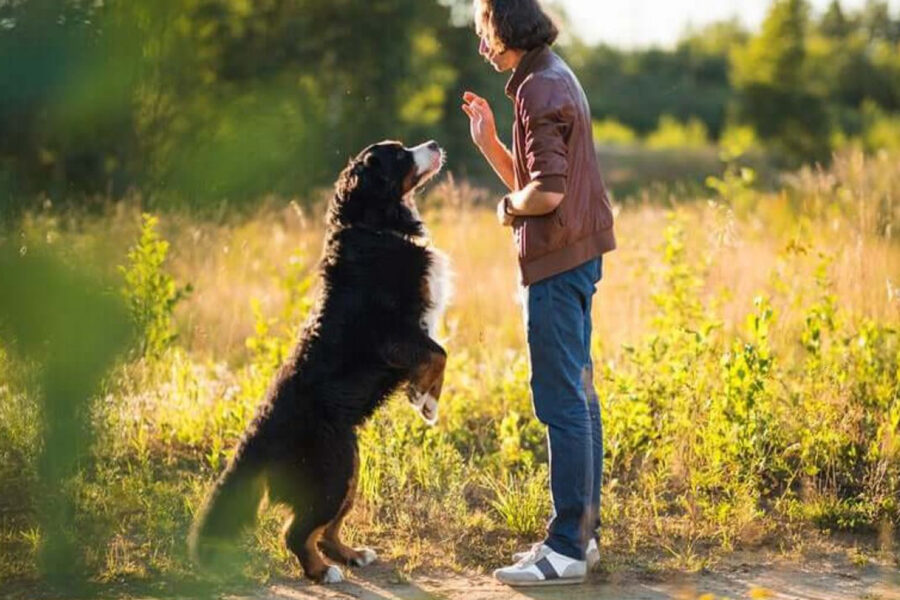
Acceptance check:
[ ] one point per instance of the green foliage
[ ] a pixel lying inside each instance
(610, 131)
(736, 142)
(775, 96)
(736, 186)
(205, 102)
(151, 293)
(200, 102)
(65, 326)
(834, 22)
(718, 429)
(274, 337)
(880, 131)
(522, 502)
(672, 134)
(637, 87)
(775, 57)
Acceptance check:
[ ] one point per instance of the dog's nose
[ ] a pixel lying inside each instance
(433, 145)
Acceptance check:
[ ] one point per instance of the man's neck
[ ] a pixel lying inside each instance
(518, 55)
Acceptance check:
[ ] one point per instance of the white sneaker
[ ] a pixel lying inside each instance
(591, 554)
(543, 566)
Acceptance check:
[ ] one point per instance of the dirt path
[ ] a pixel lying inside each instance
(819, 581)
(828, 576)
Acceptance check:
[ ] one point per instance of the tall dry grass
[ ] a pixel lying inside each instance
(725, 421)
(848, 215)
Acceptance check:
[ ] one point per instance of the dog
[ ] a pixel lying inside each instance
(370, 333)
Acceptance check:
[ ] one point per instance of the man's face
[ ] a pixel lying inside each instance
(502, 61)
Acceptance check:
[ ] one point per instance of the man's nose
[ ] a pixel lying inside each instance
(483, 47)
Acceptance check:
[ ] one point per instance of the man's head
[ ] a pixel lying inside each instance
(510, 28)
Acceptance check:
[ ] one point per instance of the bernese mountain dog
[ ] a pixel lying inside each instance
(372, 331)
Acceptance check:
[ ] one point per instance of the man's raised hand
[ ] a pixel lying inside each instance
(481, 119)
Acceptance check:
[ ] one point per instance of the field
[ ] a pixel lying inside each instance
(746, 356)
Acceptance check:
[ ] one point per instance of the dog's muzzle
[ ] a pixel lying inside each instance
(429, 158)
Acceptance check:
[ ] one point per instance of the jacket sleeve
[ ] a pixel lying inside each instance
(546, 114)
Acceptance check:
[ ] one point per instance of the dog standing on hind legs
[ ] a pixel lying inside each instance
(371, 332)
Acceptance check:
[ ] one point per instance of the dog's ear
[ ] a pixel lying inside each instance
(351, 178)
(372, 161)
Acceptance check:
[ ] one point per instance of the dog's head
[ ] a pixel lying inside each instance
(376, 189)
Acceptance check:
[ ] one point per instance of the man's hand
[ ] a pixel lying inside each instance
(506, 219)
(481, 120)
(532, 201)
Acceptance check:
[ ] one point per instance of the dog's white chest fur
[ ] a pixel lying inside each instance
(440, 289)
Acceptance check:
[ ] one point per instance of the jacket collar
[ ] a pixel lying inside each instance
(526, 67)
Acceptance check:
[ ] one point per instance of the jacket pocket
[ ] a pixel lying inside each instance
(558, 217)
(539, 236)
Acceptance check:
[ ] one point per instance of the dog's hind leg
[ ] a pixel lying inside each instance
(331, 542)
(314, 506)
(317, 493)
(301, 538)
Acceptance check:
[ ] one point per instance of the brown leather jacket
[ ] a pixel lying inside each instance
(553, 144)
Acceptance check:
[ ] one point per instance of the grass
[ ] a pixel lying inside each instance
(746, 358)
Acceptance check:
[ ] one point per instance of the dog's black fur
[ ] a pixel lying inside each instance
(362, 342)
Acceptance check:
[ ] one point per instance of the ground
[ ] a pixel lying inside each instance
(753, 576)
(842, 572)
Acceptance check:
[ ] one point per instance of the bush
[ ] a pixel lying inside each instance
(614, 133)
(673, 134)
(151, 293)
(881, 131)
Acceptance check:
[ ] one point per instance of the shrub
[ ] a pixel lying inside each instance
(151, 293)
(673, 134)
(614, 133)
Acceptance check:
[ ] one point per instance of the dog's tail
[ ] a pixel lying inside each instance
(230, 508)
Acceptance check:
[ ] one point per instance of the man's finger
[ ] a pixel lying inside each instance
(471, 97)
(477, 101)
(468, 110)
(480, 109)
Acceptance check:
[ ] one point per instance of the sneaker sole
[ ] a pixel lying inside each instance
(545, 582)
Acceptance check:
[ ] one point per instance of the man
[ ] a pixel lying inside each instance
(560, 214)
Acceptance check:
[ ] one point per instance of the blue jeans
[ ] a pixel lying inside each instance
(558, 323)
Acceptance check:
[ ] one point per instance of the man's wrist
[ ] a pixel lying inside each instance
(490, 146)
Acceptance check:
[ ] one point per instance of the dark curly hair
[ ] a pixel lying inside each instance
(514, 25)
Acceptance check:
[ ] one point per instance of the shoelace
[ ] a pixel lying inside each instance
(532, 555)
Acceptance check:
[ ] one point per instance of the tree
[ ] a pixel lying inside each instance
(834, 23)
(215, 99)
(65, 95)
(876, 19)
(769, 76)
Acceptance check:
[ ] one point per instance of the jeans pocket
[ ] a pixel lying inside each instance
(539, 313)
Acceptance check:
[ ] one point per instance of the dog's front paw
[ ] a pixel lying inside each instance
(415, 397)
(429, 410)
(425, 404)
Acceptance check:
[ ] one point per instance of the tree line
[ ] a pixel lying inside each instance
(197, 101)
